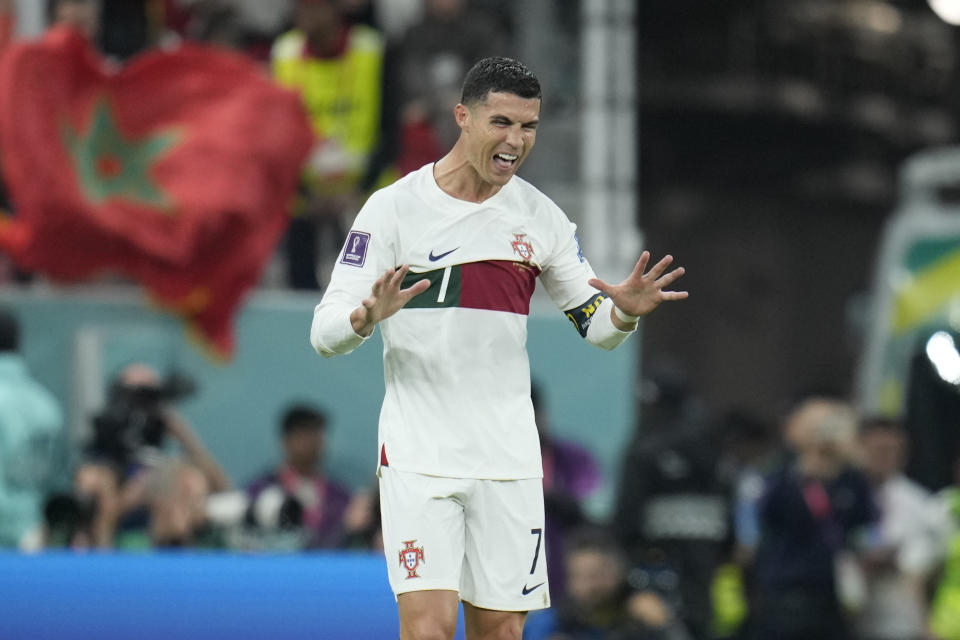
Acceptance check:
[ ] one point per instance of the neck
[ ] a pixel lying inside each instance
(457, 177)
(326, 42)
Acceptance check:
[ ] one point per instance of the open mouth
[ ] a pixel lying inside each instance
(505, 161)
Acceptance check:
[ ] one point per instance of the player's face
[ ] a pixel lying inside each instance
(499, 133)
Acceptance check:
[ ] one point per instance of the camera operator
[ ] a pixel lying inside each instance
(128, 447)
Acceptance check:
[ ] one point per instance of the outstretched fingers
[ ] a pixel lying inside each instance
(382, 282)
(641, 265)
(657, 270)
(396, 278)
(414, 290)
(669, 278)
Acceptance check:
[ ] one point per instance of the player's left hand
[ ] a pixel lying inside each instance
(642, 292)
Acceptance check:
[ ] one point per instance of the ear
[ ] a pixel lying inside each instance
(462, 115)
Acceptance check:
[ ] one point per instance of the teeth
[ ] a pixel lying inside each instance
(506, 156)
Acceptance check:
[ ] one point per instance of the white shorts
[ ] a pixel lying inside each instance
(481, 538)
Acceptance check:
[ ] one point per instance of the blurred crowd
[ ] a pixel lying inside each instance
(727, 526)
(734, 526)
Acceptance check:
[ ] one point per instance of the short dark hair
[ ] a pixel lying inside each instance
(593, 538)
(303, 417)
(498, 75)
(9, 331)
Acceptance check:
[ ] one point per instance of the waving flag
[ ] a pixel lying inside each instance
(176, 170)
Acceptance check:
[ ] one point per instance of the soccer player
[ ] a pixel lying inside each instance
(445, 261)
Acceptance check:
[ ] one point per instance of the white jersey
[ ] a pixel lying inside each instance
(457, 376)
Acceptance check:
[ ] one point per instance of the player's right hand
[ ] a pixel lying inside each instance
(386, 298)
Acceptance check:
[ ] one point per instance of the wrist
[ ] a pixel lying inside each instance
(360, 322)
(625, 317)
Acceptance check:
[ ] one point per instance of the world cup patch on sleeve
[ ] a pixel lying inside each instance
(355, 248)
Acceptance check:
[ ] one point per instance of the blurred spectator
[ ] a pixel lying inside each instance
(130, 26)
(750, 454)
(673, 512)
(112, 486)
(811, 512)
(298, 495)
(84, 15)
(900, 549)
(31, 423)
(247, 25)
(599, 604)
(753, 450)
(944, 520)
(218, 25)
(436, 53)
(341, 72)
(175, 496)
(775, 454)
(570, 475)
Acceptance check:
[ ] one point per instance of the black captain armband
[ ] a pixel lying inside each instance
(582, 316)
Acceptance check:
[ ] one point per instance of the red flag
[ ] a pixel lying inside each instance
(176, 170)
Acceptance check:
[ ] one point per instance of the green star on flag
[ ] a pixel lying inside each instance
(109, 164)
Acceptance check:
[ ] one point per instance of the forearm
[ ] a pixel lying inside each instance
(340, 324)
(198, 454)
(338, 329)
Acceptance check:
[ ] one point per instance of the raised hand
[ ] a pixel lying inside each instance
(386, 298)
(642, 292)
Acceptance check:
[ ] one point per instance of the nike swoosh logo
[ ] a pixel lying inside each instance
(434, 258)
(532, 589)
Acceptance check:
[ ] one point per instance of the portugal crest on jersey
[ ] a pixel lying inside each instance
(410, 558)
(521, 247)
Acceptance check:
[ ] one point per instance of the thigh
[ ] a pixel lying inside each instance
(505, 568)
(423, 530)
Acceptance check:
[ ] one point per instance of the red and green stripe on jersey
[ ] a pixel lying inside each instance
(493, 285)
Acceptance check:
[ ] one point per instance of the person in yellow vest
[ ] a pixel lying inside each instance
(944, 521)
(339, 70)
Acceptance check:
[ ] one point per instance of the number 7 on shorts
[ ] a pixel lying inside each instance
(536, 553)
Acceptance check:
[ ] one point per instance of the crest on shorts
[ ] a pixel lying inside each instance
(410, 558)
(521, 247)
